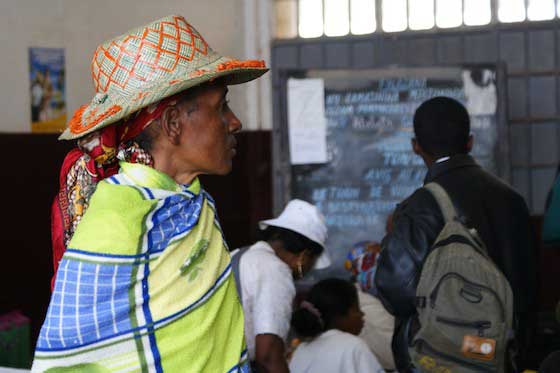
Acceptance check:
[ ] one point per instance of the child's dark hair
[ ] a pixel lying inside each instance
(327, 300)
(293, 241)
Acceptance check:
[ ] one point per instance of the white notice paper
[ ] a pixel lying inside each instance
(480, 89)
(306, 121)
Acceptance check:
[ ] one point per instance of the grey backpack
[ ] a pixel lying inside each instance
(464, 302)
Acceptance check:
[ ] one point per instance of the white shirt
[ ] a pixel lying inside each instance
(442, 159)
(378, 328)
(334, 351)
(267, 292)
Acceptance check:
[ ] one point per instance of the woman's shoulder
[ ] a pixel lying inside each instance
(261, 256)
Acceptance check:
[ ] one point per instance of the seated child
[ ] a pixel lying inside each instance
(328, 322)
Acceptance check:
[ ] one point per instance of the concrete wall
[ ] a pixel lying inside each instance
(80, 25)
(24, 24)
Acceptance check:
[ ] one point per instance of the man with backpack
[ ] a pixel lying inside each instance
(477, 228)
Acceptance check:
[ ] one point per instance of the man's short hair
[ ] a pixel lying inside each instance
(442, 127)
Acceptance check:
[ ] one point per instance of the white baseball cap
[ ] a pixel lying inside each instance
(306, 219)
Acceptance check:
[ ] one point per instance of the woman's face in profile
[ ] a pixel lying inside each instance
(308, 261)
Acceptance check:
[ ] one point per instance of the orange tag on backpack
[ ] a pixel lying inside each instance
(479, 348)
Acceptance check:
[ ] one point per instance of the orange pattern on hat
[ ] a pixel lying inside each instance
(237, 64)
(148, 64)
(76, 125)
(140, 96)
(156, 52)
(198, 73)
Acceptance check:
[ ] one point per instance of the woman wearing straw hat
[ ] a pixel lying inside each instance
(290, 246)
(144, 278)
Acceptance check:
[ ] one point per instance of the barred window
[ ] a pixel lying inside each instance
(394, 15)
(332, 18)
(541, 10)
(511, 10)
(477, 12)
(337, 17)
(421, 14)
(362, 17)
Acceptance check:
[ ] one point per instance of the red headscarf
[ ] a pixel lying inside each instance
(95, 159)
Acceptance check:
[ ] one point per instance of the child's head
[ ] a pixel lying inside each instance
(331, 304)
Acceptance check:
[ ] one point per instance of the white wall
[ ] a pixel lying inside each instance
(24, 24)
(80, 25)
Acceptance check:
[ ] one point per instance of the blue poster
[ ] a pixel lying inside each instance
(47, 89)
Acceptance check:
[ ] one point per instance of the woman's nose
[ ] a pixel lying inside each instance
(234, 123)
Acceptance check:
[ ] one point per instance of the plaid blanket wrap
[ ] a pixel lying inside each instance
(145, 285)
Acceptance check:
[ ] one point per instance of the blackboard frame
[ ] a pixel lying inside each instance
(282, 168)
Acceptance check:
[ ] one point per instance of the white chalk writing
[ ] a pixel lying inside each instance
(382, 175)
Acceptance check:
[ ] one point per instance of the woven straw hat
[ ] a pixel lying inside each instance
(148, 64)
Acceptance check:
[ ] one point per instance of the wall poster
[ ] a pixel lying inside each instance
(47, 89)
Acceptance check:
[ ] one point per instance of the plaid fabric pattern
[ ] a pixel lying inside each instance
(174, 219)
(244, 367)
(165, 285)
(89, 303)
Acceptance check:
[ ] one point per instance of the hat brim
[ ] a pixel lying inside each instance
(96, 115)
(322, 262)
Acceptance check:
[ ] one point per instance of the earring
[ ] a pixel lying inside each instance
(300, 270)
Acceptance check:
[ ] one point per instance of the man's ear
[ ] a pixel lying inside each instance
(171, 125)
(416, 147)
(470, 143)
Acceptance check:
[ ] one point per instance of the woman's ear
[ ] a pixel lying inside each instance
(301, 256)
(171, 124)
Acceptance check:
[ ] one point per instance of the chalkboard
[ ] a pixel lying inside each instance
(371, 165)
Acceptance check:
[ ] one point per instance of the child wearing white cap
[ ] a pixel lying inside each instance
(291, 245)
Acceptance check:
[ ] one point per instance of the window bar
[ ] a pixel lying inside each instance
(297, 18)
(436, 27)
(349, 17)
(324, 19)
(493, 11)
(408, 14)
(378, 18)
(462, 13)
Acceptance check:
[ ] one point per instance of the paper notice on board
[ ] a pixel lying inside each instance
(480, 90)
(307, 124)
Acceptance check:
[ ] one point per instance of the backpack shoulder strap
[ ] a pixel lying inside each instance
(442, 198)
(235, 260)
